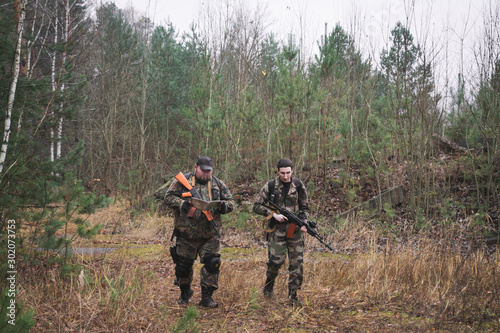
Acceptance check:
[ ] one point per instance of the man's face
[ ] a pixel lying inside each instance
(201, 174)
(285, 174)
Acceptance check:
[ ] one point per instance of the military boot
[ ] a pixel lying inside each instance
(292, 298)
(206, 297)
(186, 293)
(268, 288)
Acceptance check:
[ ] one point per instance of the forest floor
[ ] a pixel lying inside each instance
(370, 284)
(382, 276)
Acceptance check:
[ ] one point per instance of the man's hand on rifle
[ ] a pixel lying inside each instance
(308, 226)
(280, 218)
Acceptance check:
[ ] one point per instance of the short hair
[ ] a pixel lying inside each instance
(284, 163)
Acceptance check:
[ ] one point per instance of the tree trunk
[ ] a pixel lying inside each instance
(13, 86)
(66, 32)
(54, 85)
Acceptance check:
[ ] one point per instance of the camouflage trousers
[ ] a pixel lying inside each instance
(192, 248)
(278, 246)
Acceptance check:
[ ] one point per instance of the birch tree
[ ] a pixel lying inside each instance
(54, 79)
(71, 17)
(13, 86)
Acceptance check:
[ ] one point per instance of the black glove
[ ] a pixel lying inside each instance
(186, 206)
(223, 207)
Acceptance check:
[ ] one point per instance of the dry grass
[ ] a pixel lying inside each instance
(419, 285)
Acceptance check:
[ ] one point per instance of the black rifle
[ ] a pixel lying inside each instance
(295, 219)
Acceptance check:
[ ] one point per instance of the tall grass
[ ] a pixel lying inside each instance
(442, 281)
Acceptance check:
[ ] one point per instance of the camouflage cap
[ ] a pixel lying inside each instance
(205, 163)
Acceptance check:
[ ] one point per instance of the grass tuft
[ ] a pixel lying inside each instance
(187, 323)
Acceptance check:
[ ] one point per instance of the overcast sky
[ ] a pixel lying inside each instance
(449, 26)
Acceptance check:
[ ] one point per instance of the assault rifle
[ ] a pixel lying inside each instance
(195, 194)
(310, 226)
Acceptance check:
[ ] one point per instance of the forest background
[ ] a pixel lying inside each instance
(105, 106)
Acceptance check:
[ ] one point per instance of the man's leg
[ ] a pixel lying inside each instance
(296, 269)
(276, 252)
(209, 274)
(186, 255)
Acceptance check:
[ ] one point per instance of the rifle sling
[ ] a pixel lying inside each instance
(265, 223)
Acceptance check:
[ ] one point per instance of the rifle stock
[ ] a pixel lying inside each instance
(295, 219)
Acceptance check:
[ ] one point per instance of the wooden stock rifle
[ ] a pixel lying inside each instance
(310, 226)
(193, 192)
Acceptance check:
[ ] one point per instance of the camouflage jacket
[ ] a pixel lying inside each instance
(295, 200)
(198, 226)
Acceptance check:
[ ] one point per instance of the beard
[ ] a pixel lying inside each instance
(203, 180)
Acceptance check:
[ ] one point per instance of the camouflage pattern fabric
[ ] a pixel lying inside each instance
(198, 226)
(295, 201)
(278, 244)
(195, 235)
(191, 249)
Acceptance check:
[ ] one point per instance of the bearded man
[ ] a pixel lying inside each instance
(197, 231)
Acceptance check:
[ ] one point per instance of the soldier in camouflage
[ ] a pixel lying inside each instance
(195, 236)
(289, 193)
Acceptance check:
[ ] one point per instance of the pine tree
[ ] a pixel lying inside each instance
(412, 107)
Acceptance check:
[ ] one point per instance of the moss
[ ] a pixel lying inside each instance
(236, 253)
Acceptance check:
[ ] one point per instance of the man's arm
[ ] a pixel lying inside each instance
(259, 200)
(173, 197)
(303, 202)
(228, 202)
